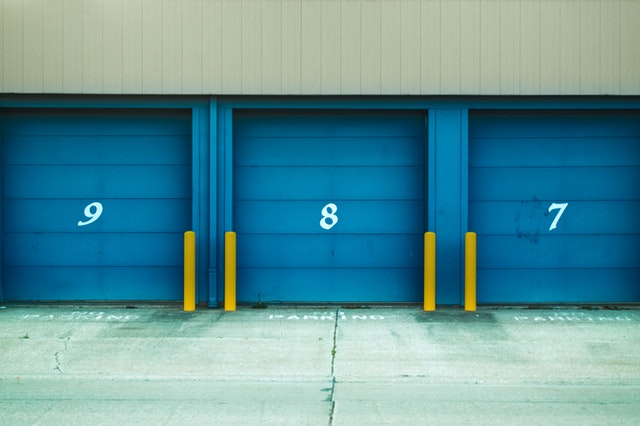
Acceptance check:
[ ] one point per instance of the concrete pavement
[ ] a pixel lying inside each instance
(318, 366)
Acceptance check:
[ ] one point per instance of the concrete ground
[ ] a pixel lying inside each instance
(318, 366)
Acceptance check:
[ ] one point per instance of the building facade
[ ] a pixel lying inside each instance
(329, 135)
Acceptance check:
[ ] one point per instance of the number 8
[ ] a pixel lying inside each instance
(329, 217)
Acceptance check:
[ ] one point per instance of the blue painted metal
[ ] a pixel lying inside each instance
(212, 176)
(1, 203)
(289, 165)
(448, 180)
(102, 101)
(200, 189)
(212, 211)
(225, 188)
(137, 164)
(522, 163)
(433, 103)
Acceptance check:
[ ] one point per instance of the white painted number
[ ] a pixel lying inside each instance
(329, 218)
(93, 212)
(560, 207)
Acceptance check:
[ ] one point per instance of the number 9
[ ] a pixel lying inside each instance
(93, 212)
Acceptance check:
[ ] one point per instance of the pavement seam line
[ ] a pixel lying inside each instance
(333, 364)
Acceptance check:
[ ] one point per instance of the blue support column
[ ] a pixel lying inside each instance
(225, 188)
(447, 198)
(200, 191)
(221, 195)
(212, 242)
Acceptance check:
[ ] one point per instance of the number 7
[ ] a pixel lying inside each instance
(557, 206)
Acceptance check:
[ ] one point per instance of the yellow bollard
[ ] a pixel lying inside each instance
(470, 271)
(230, 271)
(189, 271)
(429, 271)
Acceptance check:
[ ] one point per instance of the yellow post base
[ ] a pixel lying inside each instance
(230, 271)
(429, 271)
(189, 271)
(470, 271)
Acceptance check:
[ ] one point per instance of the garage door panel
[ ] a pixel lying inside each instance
(97, 181)
(129, 170)
(372, 285)
(312, 123)
(558, 124)
(372, 151)
(93, 283)
(313, 183)
(355, 217)
(96, 149)
(341, 251)
(62, 249)
(290, 165)
(558, 285)
(559, 251)
(123, 215)
(534, 218)
(555, 200)
(556, 152)
(97, 122)
(554, 183)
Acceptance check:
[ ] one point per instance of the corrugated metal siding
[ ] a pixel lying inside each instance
(511, 47)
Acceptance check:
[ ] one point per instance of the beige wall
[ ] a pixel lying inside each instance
(492, 47)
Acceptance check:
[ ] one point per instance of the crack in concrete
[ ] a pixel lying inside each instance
(333, 363)
(334, 348)
(56, 355)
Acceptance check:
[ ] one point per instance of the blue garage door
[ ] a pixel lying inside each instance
(94, 204)
(329, 206)
(555, 200)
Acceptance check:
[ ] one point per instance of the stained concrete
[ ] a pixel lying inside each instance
(318, 365)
